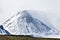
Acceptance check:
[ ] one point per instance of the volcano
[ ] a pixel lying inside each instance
(25, 24)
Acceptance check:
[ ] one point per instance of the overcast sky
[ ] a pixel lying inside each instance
(51, 7)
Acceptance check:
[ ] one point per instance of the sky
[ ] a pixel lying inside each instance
(51, 8)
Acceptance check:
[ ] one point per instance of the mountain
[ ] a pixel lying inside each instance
(33, 26)
(25, 24)
(3, 31)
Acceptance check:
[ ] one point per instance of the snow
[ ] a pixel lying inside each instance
(25, 24)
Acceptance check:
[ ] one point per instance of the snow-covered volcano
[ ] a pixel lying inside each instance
(31, 24)
(25, 24)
